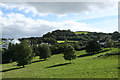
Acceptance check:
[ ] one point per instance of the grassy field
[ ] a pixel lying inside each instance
(81, 32)
(1, 49)
(57, 67)
(64, 41)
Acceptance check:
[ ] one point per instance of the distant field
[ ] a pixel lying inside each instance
(64, 41)
(57, 67)
(81, 32)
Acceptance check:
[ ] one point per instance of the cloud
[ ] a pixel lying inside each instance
(17, 25)
(1, 13)
(59, 8)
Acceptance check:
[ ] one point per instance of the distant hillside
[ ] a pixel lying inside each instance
(59, 34)
(81, 36)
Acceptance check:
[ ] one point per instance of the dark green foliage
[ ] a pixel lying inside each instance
(66, 41)
(35, 50)
(49, 40)
(44, 51)
(60, 34)
(51, 37)
(76, 46)
(8, 54)
(115, 35)
(92, 46)
(109, 43)
(116, 44)
(57, 49)
(69, 53)
(23, 53)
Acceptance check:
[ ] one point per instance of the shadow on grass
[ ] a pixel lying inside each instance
(37, 61)
(84, 55)
(11, 69)
(118, 67)
(58, 65)
(105, 50)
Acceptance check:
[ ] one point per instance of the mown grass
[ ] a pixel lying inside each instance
(64, 41)
(57, 67)
(81, 32)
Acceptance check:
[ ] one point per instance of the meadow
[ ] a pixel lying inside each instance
(60, 41)
(84, 66)
(81, 32)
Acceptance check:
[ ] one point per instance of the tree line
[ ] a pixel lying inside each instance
(23, 53)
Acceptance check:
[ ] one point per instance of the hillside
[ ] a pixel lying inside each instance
(57, 67)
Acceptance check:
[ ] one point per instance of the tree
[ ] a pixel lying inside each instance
(69, 53)
(76, 46)
(115, 36)
(49, 40)
(44, 51)
(66, 41)
(57, 48)
(8, 54)
(109, 43)
(92, 46)
(23, 53)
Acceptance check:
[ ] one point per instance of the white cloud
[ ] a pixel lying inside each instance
(59, 8)
(63, 15)
(1, 13)
(17, 25)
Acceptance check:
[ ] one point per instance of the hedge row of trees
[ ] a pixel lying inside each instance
(23, 53)
(52, 37)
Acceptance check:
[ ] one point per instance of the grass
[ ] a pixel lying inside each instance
(81, 32)
(1, 42)
(1, 49)
(64, 41)
(57, 67)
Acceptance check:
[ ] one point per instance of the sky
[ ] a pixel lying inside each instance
(33, 19)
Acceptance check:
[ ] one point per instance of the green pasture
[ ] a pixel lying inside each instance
(64, 41)
(81, 32)
(84, 66)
